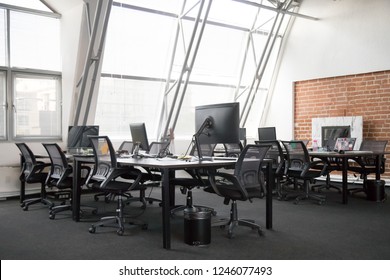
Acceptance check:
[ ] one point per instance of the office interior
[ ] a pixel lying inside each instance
(275, 46)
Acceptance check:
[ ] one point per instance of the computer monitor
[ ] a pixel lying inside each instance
(267, 133)
(217, 124)
(139, 135)
(78, 136)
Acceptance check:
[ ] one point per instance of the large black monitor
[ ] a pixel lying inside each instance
(78, 136)
(139, 135)
(217, 124)
(267, 133)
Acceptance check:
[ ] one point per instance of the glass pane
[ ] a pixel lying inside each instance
(3, 41)
(220, 56)
(31, 4)
(2, 105)
(170, 6)
(35, 42)
(37, 111)
(133, 47)
(124, 101)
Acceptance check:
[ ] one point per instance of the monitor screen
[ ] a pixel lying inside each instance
(223, 125)
(78, 135)
(267, 133)
(139, 135)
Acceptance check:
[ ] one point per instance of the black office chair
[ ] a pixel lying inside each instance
(299, 166)
(276, 154)
(232, 149)
(104, 177)
(243, 185)
(33, 171)
(367, 165)
(196, 179)
(125, 149)
(60, 176)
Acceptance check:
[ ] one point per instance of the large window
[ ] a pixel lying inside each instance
(30, 80)
(146, 45)
(36, 106)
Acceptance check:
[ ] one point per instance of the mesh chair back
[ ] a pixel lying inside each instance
(207, 150)
(159, 148)
(275, 153)
(29, 159)
(248, 167)
(297, 155)
(233, 149)
(105, 158)
(127, 146)
(374, 146)
(59, 163)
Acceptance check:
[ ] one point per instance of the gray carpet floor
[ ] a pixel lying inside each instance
(307, 231)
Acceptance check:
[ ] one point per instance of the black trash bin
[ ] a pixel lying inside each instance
(376, 190)
(197, 226)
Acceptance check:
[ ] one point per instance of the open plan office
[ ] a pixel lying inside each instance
(224, 129)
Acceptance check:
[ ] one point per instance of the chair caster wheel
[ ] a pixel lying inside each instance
(144, 227)
(52, 216)
(120, 231)
(94, 212)
(106, 200)
(214, 213)
(92, 230)
(25, 208)
(150, 202)
(230, 234)
(260, 232)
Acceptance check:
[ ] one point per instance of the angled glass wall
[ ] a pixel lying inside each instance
(147, 43)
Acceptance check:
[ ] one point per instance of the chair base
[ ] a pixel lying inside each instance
(119, 220)
(305, 194)
(61, 208)
(233, 222)
(27, 202)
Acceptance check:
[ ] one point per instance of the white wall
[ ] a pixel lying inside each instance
(351, 36)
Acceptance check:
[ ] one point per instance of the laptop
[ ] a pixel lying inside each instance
(344, 144)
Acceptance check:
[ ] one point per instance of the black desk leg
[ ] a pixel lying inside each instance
(345, 180)
(22, 183)
(76, 191)
(166, 209)
(268, 203)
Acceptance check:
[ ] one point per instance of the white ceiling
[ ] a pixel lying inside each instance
(62, 6)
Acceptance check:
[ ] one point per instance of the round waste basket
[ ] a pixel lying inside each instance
(197, 226)
(376, 190)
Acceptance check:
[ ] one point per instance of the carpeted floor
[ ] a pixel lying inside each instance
(307, 231)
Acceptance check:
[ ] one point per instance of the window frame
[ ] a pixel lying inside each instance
(10, 73)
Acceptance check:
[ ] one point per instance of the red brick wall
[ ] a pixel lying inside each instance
(366, 95)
